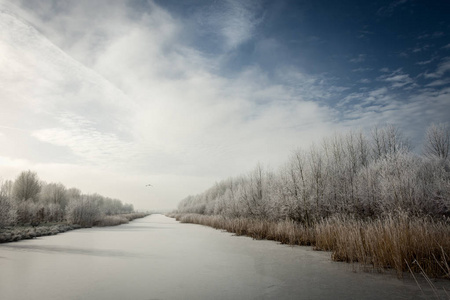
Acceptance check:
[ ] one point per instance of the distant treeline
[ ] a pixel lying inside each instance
(354, 174)
(30, 201)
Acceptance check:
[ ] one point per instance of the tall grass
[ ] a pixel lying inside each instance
(395, 241)
(391, 242)
(286, 232)
(118, 219)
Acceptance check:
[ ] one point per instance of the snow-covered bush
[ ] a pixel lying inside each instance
(8, 211)
(84, 212)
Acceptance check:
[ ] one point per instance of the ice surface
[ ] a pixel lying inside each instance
(159, 258)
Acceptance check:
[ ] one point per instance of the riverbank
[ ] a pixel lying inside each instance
(17, 233)
(405, 244)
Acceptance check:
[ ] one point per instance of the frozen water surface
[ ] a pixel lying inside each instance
(159, 258)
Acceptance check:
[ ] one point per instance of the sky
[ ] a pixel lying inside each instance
(108, 96)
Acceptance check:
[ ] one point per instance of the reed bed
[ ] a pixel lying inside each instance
(392, 242)
(285, 232)
(396, 241)
(115, 220)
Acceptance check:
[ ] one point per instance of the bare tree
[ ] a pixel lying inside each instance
(256, 199)
(388, 140)
(437, 142)
(26, 186)
(8, 209)
(317, 167)
(54, 193)
(6, 189)
(300, 182)
(84, 212)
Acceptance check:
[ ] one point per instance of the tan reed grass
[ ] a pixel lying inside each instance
(392, 242)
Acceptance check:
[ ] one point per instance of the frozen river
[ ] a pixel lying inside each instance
(159, 258)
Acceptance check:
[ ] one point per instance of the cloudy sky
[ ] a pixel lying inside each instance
(108, 96)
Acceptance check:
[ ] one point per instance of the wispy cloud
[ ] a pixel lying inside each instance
(442, 68)
(421, 48)
(89, 143)
(439, 82)
(434, 35)
(358, 59)
(364, 33)
(425, 62)
(389, 9)
(411, 113)
(362, 69)
(396, 79)
(235, 21)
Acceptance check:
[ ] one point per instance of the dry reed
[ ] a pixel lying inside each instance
(115, 220)
(392, 242)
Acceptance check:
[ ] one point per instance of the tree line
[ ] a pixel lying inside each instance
(359, 175)
(29, 201)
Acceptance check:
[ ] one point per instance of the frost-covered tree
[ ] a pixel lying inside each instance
(26, 186)
(73, 193)
(6, 189)
(388, 140)
(318, 180)
(294, 189)
(84, 212)
(8, 211)
(437, 143)
(54, 193)
(256, 193)
(29, 212)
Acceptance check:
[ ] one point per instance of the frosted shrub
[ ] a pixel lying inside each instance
(83, 212)
(433, 185)
(54, 193)
(29, 212)
(8, 211)
(53, 213)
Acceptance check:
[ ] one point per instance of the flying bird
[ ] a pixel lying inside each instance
(149, 185)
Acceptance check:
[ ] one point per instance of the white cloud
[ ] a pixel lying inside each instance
(362, 69)
(442, 68)
(397, 79)
(230, 23)
(425, 62)
(238, 22)
(389, 9)
(144, 105)
(359, 58)
(412, 114)
(439, 82)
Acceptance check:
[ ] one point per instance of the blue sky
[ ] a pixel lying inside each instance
(353, 44)
(111, 95)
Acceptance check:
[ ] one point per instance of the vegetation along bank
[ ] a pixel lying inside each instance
(30, 208)
(368, 198)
